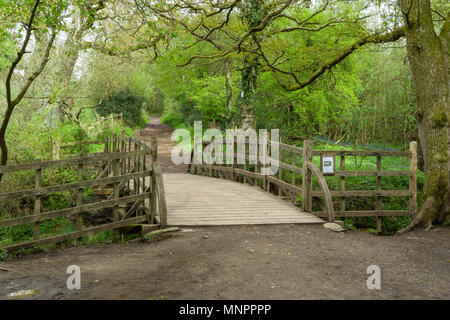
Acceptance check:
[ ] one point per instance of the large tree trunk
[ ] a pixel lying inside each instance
(428, 55)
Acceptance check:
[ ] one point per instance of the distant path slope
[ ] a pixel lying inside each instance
(163, 133)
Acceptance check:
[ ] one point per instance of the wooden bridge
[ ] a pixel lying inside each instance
(126, 179)
(198, 201)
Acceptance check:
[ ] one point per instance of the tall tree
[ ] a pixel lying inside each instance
(37, 15)
(428, 50)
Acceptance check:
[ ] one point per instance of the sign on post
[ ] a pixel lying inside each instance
(327, 164)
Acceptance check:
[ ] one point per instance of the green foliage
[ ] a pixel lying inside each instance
(102, 237)
(127, 103)
(172, 119)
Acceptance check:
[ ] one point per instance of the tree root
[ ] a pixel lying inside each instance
(427, 205)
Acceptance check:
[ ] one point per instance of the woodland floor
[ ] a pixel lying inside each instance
(241, 262)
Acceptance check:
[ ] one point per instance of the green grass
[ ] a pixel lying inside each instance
(357, 163)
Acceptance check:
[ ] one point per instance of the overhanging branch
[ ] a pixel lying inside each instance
(384, 38)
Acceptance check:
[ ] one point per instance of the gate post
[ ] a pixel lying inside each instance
(413, 178)
(307, 178)
(157, 193)
(153, 200)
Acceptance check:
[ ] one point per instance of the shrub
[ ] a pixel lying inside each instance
(126, 103)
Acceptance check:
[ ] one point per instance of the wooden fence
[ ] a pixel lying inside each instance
(124, 162)
(297, 172)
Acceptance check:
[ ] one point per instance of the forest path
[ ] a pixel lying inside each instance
(243, 262)
(163, 133)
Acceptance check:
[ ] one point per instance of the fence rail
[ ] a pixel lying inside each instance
(125, 162)
(295, 178)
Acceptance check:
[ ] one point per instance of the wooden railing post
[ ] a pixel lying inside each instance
(268, 155)
(122, 149)
(246, 149)
(128, 159)
(325, 190)
(280, 171)
(212, 157)
(293, 194)
(257, 166)
(413, 178)
(342, 199)
(158, 186)
(153, 192)
(234, 158)
(307, 178)
(37, 205)
(144, 168)
(378, 203)
(138, 164)
(79, 200)
(115, 168)
(135, 168)
(106, 151)
(266, 183)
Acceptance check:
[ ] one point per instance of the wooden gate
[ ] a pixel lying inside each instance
(125, 164)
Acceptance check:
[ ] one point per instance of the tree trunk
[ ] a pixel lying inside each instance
(247, 117)
(229, 88)
(428, 54)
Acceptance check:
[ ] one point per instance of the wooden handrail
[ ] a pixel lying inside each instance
(70, 161)
(238, 172)
(117, 165)
(309, 169)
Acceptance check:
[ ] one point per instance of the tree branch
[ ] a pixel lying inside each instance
(22, 52)
(388, 37)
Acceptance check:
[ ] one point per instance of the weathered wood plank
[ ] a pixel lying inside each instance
(71, 161)
(361, 153)
(285, 185)
(197, 200)
(75, 234)
(292, 168)
(69, 186)
(364, 193)
(325, 190)
(364, 213)
(79, 143)
(247, 173)
(70, 211)
(370, 173)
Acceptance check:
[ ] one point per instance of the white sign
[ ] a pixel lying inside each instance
(327, 164)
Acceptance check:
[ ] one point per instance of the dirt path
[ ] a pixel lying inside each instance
(242, 262)
(163, 133)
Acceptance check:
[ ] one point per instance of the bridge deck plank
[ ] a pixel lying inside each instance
(199, 200)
